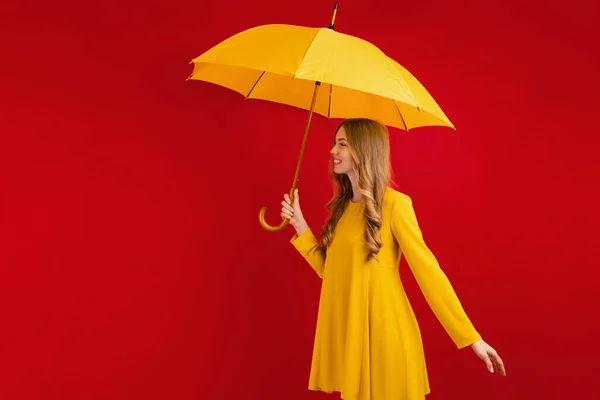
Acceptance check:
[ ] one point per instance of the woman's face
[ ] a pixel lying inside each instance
(342, 159)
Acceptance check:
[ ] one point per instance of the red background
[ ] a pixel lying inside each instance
(133, 265)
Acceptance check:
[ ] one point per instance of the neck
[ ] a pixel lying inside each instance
(356, 196)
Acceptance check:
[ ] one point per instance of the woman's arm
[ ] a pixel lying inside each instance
(304, 240)
(306, 244)
(431, 279)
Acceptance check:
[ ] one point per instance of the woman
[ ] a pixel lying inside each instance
(367, 343)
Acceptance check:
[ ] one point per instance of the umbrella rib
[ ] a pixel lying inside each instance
(255, 83)
(401, 117)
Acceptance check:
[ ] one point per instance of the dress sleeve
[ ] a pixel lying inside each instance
(434, 284)
(306, 245)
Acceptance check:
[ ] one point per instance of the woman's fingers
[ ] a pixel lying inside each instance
(291, 209)
(286, 206)
(488, 363)
(286, 215)
(286, 210)
(499, 364)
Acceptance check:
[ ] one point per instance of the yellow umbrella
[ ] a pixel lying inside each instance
(288, 64)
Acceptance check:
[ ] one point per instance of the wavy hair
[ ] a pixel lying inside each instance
(369, 146)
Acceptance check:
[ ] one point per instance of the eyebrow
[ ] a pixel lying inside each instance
(340, 139)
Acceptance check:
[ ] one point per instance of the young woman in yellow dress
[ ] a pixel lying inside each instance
(367, 341)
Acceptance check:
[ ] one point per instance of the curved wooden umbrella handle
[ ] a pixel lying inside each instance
(283, 224)
(261, 214)
(270, 228)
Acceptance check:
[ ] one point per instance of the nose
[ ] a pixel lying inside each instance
(333, 150)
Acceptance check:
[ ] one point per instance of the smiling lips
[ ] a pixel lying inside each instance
(337, 161)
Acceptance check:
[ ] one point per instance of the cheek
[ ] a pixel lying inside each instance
(348, 157)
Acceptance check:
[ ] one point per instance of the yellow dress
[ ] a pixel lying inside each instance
(367, 341)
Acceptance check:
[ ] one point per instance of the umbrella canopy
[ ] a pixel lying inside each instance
(281, 63)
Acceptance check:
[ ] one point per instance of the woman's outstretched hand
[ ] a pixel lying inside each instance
(294, 213)
(489, 356)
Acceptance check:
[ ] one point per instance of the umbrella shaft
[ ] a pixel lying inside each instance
(310, 113)
(263, 211)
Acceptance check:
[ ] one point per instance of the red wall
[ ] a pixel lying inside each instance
(132, 262)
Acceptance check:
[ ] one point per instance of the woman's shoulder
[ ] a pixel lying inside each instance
(396, 204)
(392, 196)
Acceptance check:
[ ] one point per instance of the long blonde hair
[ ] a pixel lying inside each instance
(369, 146)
